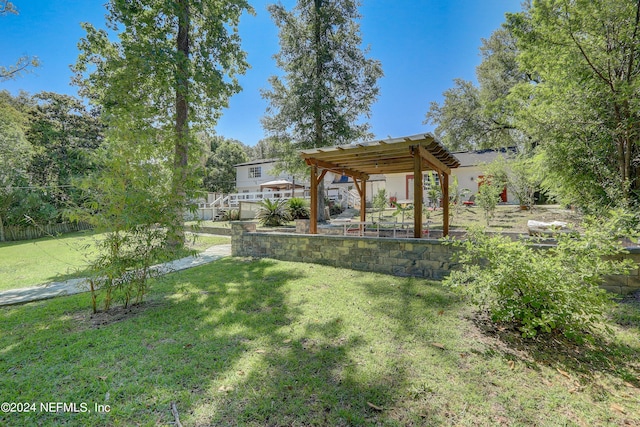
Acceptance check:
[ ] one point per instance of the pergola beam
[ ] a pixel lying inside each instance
(337, 168)
(434, 161)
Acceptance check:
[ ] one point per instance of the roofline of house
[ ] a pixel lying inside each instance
(257, 162)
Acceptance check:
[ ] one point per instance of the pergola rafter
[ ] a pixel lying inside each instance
(415, 154)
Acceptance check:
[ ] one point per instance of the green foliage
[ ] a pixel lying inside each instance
(456, 194)
(267, 148)
(542, 290)
(403, 211)
(328, 83)
(522, 174)
(434, 192)
(125, 198)
(335, 209)
(64, 136)
(220, 173)
(15, 156)
(585, 56)
(231, 215)
(380, 201)
(488, 197)
(122, 270)
(172, 70)
(298, 208)
(46, 142)
(273, 213)
(484, 116)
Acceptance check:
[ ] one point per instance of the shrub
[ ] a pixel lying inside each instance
(335, 209)
(123, 267)
(487, 198)
(298, 208)
(231, 215)
(380, 202)
(554, 290)
(273, 213)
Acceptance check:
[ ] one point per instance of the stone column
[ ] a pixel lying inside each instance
(239, 241)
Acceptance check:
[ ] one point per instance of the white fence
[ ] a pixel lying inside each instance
(214, 210)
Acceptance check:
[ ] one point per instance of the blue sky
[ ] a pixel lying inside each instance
(422, 44)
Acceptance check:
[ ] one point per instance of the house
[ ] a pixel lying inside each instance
(250, 175)
(251, 178)
(469, 175)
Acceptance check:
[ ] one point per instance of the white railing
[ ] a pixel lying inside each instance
(235, 199)
(354, 199)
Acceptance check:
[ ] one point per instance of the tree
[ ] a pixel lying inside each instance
(15, 155)
(488, 195)
(124, 201)
(64, 136)
(220, 173)
(380, 202)
(171, 71)
(522, 175)
(484, 116)
(584, 110)
(267, 148)
(328, 85)
(24, 62)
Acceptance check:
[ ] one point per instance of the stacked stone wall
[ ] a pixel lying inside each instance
(425, 258)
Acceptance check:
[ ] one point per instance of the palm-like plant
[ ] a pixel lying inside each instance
(298, 208)
(273, 213)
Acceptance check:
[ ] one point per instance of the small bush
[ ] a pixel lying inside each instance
(298, 208)
(487, 199)
(335, 209)
(124, 265)
(231, 215)
(273, 213)
(554, 290)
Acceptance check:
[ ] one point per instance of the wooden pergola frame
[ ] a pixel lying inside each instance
(416, 153)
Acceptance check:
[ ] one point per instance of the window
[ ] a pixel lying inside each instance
(255, 172)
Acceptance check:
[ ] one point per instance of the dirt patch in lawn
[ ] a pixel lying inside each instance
(119, 313)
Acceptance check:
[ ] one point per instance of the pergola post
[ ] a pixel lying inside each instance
(313, 221)
(445, 205)
(362, 191)
(363, 200)
(417, 193)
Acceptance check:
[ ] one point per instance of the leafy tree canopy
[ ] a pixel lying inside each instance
(172, 70)
(220, 173)
(64, 136)
(585, 56)
(328, 84)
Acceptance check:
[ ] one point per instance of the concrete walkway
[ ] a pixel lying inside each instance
(74, 286)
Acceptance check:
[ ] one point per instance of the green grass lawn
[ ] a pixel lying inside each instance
(34, 262)
(269, 343)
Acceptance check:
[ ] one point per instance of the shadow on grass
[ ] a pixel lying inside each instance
(180, 344)
(586, 360)
(307, 365)
(222, 341)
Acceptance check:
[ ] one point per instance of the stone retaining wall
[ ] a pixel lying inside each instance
(426, 258)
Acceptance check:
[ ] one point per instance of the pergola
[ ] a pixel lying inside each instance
(416, 153)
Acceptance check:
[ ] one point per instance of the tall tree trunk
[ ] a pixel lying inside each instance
(181, 147)
(317, 108)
